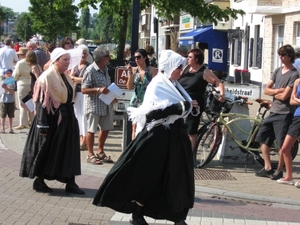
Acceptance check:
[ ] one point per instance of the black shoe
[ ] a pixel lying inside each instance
(138, 221)
(74, 189)
(277, 175)
(264, 173)
(182, 222)
(40, 186)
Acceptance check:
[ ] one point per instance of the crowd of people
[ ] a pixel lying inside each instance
(68, 112)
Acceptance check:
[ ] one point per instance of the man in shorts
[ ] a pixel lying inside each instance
(95, 82)
(276, 125)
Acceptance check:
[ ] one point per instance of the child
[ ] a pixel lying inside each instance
(7, 99)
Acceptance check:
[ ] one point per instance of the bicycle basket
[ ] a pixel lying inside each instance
(214, 106)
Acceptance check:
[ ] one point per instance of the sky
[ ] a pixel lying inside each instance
(23, 7)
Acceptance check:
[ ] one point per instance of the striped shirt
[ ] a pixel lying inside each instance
(94, 77)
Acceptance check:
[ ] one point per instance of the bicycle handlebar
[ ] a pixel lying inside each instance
(229, 98)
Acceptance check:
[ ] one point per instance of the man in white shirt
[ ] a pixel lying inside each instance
(8, 56)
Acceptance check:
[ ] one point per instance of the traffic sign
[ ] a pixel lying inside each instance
(121, 76)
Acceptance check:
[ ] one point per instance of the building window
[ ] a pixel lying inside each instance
(256, 48)
(279, 33)
(297, 26)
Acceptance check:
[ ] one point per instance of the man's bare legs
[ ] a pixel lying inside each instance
(267, 171)
(102, 136)
(266, 154)
(90, 143)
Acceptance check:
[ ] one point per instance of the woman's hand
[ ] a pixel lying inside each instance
(221, 98)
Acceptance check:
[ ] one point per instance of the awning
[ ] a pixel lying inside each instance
(198, 33)
(217, 45)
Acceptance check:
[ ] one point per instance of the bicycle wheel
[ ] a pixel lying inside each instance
(274, 155)
(207, 144)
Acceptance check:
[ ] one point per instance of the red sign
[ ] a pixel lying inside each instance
(121, 76)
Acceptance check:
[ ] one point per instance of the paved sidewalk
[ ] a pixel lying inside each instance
(237, 198)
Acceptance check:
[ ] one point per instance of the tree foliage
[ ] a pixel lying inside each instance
(5, 15)
(84, 22)
(24, 27)
(53, 18)
(121, 11)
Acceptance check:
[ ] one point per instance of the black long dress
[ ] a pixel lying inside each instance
(56, 156)
(156, 170)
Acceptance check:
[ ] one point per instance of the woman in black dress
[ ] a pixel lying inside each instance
(154, 176)
(52, 147)
(194, 80)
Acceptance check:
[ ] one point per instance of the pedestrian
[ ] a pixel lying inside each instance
(22, 76)
(7, 100)
(42, 56)
(276, 124)
(183, 51)
(194, 79)
(76, 75)
(52, 148)
(146, 179)
(150, 53)
(96, 81)
(296, 63)
(138, 80)
(292, 136)
(66, 43)
(82, 41)
(8, 56)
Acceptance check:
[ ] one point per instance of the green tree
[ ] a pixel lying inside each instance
(121, 11)
(6, 14)
(84, 22)
(24, 27)
(53, 18)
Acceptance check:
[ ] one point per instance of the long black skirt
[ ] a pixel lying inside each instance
(155, 170)
(56, 156)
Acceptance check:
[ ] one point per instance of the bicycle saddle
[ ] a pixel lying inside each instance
(264, 103)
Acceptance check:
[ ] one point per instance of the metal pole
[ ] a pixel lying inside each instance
(135, 26)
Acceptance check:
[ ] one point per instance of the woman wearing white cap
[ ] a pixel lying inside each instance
(154, 176)
(52, 148)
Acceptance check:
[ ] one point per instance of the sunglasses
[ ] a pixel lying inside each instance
(282, 54)
(138, 57)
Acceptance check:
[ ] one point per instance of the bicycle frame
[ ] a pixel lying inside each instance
(255, 124)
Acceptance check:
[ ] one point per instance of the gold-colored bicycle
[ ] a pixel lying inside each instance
(217, 116)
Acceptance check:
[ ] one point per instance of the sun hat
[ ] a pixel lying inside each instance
(22, 51)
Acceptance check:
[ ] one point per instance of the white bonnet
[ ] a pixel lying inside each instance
(169, 61)
(56, 53)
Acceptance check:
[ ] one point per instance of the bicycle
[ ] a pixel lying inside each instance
(209, 136)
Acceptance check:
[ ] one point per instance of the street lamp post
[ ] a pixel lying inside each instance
(135, 26)
(6, 25)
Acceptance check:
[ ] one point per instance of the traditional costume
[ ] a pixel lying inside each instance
(156, 169)
(55, 155)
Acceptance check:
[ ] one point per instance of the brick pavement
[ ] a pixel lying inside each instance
(246, 200)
